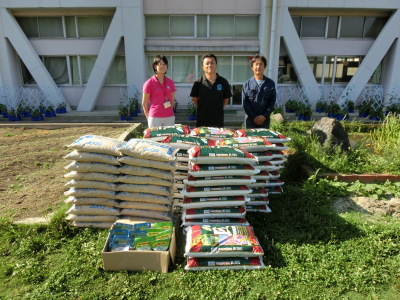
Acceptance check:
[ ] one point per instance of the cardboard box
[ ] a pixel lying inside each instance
(135, 260)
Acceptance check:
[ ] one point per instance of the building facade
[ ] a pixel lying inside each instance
(88, 52)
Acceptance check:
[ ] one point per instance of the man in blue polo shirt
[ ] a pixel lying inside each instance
(258, 95)
(210, 93)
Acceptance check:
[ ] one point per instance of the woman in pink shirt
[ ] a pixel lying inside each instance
(159, 96)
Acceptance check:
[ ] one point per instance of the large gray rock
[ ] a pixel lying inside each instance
(330, 132)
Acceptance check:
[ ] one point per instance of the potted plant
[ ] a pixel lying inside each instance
(342, 114)
(364, 109)
(124, 110)
(61, 108)
(50, 111)
(191, 111)
(333, 109)
(321, 106)
(291, 106)
(13, 114)
(133, 106)
(36, 114)
(350, 106)
(3, 110)
(394, 106)
(304, 111)
(376, 114)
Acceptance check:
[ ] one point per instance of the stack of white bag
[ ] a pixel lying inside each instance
(183, 143)
(161, 134)
(271, 161)
(213, 247)
(217, 186)
(259, 196)
(146, 179)
(93, 177)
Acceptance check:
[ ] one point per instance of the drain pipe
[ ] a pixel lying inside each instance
(272, 38)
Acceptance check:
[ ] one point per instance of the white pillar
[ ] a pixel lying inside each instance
(102, 65)
(374, 56)
(298, 58)
(134, 35)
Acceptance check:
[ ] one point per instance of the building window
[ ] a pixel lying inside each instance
(182, 26)
(96, 26)
(76, 70)
(74, 27)
(41, 27)
(313, 27)
(57, 67)
(207, 26)
(350, 27)
(286, 72)
(373, 26)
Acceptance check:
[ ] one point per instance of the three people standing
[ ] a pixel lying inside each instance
(210, 94)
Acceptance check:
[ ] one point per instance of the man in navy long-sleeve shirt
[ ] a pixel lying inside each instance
(258, 95)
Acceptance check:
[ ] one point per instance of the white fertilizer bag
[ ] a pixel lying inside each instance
(274, 175)
(95, 176)
(93, 210)
(139, 162)
(214, 191)
(263, 175)
(142, 188)
(220, 155)
(159, 133)
(143, 171)
(91, 218)
(97, 144)
(91, 200)
(143, 197)
(224, 263)
(214, 212)
(200, 170)
(221, 241)
(223, 201)
(90, 184)
(144, 213)
(219, 180)
(213, 132)
(83, 167)
(90, 193)
(187, 142)
(148, 150)
(144, 180)
(144, 205)
(105, 225)
(268, 134)
(92, 157)
(215, 221)
(247, 143)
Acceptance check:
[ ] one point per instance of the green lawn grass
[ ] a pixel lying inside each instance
(311, 252)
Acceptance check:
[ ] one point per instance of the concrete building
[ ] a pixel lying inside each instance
(87, 52)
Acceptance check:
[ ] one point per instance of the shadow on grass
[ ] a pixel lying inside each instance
(303, 214)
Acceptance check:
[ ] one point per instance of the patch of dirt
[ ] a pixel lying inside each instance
(32, 168)
(390, 207)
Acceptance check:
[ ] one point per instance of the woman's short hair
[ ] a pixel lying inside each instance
(157, 60)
